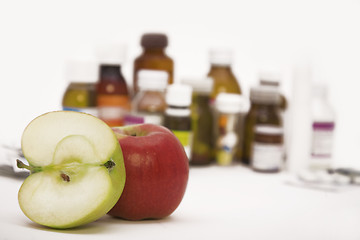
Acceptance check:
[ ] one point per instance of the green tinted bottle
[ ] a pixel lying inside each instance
(177, 114)
(80, 94)
(202, 121)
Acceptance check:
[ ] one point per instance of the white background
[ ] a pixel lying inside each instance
(37, 37)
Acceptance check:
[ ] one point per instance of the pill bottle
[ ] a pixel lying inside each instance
(153, 57)
(177, 114)
(149, 104)
(80, 94)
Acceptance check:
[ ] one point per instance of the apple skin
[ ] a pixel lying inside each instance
(157, 172)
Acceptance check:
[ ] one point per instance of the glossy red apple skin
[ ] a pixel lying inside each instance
(157, 172)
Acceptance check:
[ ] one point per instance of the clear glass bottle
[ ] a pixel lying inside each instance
(221, 73)
(323, 126)
(264, 112)
(113, 99)
(149, 104)
(229, 121)
(153, 57)
(177, 114)
(80, 94)
(202, 122)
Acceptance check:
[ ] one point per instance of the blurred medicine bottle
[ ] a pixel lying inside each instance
(177, 114)
(221, 73)
(112, 94)
(202, 122)
(272, 79)
(263, 147)
(149, 104)
(323, 126)
(153, 57)
(229, 117)
(80, 94)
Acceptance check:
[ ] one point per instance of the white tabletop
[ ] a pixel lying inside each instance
(220, 203)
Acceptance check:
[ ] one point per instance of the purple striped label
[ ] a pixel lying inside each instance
(327, 126)
(131, 119)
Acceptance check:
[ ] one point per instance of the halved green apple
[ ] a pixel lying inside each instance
(77, 169)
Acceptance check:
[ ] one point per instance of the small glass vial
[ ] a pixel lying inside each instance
(149, 104)
(323, 126)
(177, 114)
(264, 110)
(268, 149)
(113, 99)
(221, 73)
(153, 57)
(229, 108)
(80, 95)
(202, 121)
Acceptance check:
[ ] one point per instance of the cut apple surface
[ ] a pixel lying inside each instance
(77, 168)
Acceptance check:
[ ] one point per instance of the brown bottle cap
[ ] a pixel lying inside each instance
(154, 40)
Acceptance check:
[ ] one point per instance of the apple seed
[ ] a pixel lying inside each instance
(65, 177)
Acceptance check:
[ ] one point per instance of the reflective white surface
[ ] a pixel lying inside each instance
(220, 203)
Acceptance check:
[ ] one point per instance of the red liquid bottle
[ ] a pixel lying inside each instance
(113, 99)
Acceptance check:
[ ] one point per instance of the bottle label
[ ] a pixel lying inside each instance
(267, 157)
(226, 148)
(112, 109)
(89, 110)
(156, 119)
(322, 139)
(185, 139)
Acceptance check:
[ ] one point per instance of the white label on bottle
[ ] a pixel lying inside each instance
(153, 119)
(322, 140)
(131, 119)
(89, 110)
(111, 113)
(267, 157)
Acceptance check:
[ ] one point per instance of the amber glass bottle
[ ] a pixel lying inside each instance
(264, 111)
(153, 57)
(221, 73)
(112, 94)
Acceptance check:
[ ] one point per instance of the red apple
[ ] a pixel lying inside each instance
(157, 171)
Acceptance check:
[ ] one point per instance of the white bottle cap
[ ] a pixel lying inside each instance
(231, 103)
(179, 95)
(264, 95)
(112, 54)
(84, 71)
(221, 57)
(152, 79)
(269, 78)
(203, 85)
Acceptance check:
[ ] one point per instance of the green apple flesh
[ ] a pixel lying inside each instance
(77, 169)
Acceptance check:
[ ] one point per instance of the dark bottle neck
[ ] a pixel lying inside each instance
(110, 72)
(216, 67)
(158, 51)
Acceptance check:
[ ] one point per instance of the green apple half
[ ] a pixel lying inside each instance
(77, 169)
